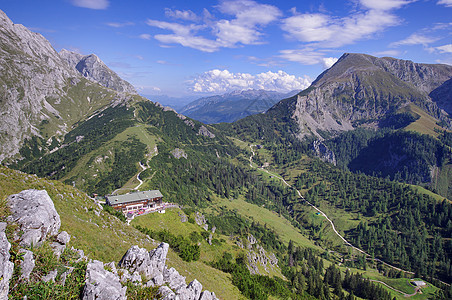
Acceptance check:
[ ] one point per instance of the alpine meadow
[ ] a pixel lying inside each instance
(144, 176)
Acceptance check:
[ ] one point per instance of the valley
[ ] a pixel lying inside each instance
(340, 191)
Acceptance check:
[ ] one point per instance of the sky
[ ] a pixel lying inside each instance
(198, 48)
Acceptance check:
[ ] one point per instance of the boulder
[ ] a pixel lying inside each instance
(6, 267)
(150, 264)
(36, 215)
(138, 260)
(206, 295)
(27, 265)
(63, 238)
(101, 284)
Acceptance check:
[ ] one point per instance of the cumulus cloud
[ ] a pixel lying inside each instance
(385, 4)
(245, 28)
(447, 3)
(415, 39)
(332, 32)
(308, 56)
(221, 81)
(92, 4)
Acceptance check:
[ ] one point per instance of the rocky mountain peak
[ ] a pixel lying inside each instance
(360, 88)
(93, 68)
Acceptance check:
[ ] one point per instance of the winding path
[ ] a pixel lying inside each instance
(138, 176)
(326, 217)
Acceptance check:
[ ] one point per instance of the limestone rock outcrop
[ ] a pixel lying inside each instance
(34, 212)
(101, 284)
(6, 267)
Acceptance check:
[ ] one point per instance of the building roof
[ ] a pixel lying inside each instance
(133, 197)
(418, 282)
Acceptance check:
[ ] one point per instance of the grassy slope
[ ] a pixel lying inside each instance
(426, 124)
(217, 280)
(104, 237)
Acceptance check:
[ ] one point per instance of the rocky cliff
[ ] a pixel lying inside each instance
(92, 68)
(360, 89)
(41, 95)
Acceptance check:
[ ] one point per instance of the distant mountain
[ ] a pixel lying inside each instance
(233, 106)
(176, 103)
(363, 111)
(361, 89)
(92, 68)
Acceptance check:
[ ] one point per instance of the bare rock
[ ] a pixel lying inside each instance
(34, 211)
(6, 267)
(102, 284)
(183, 217)
(205, 132)
(167, 293)
(63, 238)
(57, 248)
(173, 278)
(323, 152)
(27, 265)
(51, 276)
(150, 264)
(206, 295)
(179, 153)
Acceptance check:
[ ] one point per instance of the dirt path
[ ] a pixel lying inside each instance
(138, 176)
(324, 215)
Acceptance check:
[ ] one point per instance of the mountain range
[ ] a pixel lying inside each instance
(233, 106)
(308, 197)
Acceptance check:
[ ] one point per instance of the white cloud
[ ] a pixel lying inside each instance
(387, 53)
(441, 49)
(328, 62)
(447, 3)
(93, 4)
(221, 81)
(145, 36)
(187, 15)
(244, 29)
(332, 32)
(308, 56)
(119, 25)
(384, 4)
(414, 39)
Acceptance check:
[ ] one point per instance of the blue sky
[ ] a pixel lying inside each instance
(181, 48)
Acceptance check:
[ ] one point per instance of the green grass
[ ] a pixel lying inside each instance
(104, 237)
(426, 124)
(273, 220)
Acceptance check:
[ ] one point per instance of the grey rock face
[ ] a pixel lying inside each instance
(102, 284)
(36, 215)
(57, 248)
(27, 265)
(150, 264)
(167, 293)
(206, 295)
(92, 68)
(205, 132)
(360, 88)
(173, 278)
(323, 152)
(6, 267)
(179, 153)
